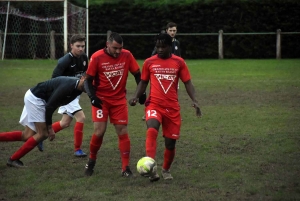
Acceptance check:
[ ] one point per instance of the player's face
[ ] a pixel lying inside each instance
(163, 50)
(172, 31)
(77, 48)
(114, 48)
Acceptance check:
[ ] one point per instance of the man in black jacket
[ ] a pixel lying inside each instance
(40, 103)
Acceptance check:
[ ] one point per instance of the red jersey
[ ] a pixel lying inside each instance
(163, 75)
(110, 74)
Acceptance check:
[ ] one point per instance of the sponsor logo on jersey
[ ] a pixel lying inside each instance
(72, 66)
(115, 73)
(170, 78)
(106, 63)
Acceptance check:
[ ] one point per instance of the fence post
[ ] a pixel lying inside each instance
(221, 56)
(278, 44)
(1, 42)
(52, 45)
(108, 34)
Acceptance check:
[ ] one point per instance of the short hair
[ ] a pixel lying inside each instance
(171, 24)
(77, 38)
(114, 36)
(164, 38)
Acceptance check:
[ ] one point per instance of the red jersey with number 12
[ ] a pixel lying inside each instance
(111, 73)
(163, 75)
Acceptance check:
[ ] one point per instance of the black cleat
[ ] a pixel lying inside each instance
(127, 172)
(15, 163)
(40, 146)
(89, 167)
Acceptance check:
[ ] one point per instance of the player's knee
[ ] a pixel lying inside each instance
(81, 119)
(170, 143)
(65, 124)
(26, 136)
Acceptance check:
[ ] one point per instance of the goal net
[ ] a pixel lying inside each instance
(35, 29)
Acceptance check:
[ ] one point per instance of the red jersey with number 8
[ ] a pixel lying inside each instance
(111, 73)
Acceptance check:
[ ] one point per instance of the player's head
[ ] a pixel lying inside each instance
(163, 44)
(114, 44)
(171, 29)
(77, 45)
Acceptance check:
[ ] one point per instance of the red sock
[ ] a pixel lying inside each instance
(78, 135)
(56, 127)
(11, 136)
(124, 147)
(151, 142)
(24, 149)
(168, 158)
(95, 145)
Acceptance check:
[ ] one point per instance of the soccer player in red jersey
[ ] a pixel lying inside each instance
(105, 85)
(163, 70)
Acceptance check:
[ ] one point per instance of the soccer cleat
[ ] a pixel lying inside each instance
(40, 146)
(89, 167)
(15, 163)
(154, 177)
(127, 172)
(80, 153)
(166, 174)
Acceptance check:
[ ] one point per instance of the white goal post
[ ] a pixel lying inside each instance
(77, 25)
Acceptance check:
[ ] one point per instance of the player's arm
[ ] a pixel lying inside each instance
(51, 106)
(61, 66)
(143, 96)
(141, 88)
(190, 89)
(90, 90)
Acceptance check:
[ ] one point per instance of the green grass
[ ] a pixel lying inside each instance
(245, 147)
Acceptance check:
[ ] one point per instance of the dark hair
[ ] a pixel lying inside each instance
(164, 38)
(171, 24)
(114, 36)
(76, 38)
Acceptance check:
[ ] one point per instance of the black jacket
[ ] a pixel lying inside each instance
(69, 65)
(56, 92)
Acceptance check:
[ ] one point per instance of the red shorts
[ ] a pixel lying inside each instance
(169, 118)
(117, 111)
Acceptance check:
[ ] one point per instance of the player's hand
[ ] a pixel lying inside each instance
(143, 98)
(133, 101)
(198, 111)
(96, 102)
(51, 134)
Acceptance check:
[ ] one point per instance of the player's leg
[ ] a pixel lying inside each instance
(41, 134)
(171, 132)
(119, 117)
(153, 121)
(169, 155)
(78, 133)
(11, 136)
(99, 117)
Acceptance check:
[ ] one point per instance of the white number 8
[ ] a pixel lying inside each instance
(99, 114)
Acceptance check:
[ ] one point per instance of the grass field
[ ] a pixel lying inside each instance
(245, 147)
